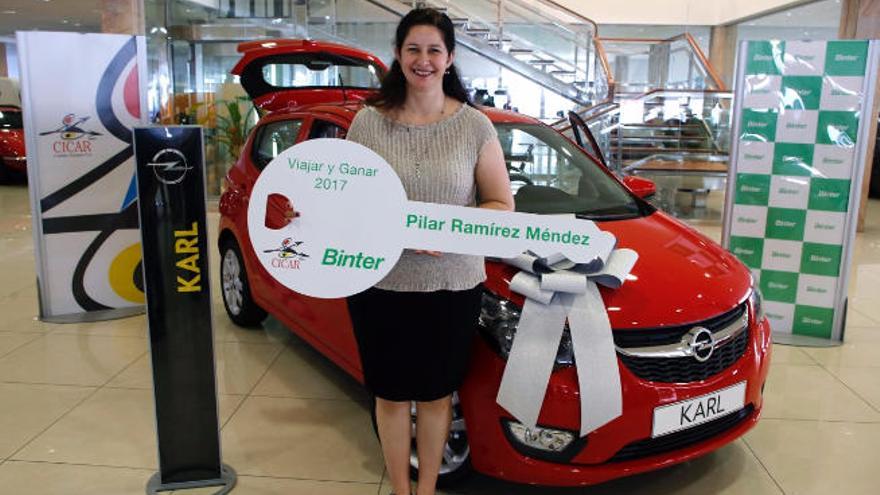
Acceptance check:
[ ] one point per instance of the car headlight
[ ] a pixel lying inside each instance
(756, 301)
(499, 319)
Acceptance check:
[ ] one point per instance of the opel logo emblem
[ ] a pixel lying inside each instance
(701, 343)
(169, 165)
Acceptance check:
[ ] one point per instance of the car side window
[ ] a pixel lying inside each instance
(325, 129)
(273, 138)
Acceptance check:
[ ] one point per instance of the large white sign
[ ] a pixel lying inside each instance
(353, 221)
(81, 95)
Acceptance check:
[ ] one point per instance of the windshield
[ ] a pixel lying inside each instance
(321, 69)
(550, 175)
(10, 119)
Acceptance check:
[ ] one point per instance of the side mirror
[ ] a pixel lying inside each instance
(641, 187)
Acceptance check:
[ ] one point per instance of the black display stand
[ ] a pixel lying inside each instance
(174, 238)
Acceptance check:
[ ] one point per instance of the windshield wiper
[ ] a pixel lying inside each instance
(610, 216)
(612, 213)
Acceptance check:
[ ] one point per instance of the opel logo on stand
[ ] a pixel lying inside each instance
(169, 165)
(700, 343)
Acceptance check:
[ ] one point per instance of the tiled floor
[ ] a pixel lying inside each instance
(76, 406)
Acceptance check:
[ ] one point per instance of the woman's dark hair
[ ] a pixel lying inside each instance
(392, 93)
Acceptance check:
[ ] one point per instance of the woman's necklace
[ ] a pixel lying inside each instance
(424, 143)
(421, 155)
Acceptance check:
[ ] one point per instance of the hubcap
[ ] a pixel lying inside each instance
(456, 450)
(233, 288)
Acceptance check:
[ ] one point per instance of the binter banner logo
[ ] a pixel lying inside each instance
(794, 174)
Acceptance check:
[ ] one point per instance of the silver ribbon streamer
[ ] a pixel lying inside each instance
(568, 291)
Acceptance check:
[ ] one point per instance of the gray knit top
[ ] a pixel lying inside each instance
(435, 163)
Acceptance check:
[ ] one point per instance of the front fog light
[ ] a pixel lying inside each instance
(540, 439)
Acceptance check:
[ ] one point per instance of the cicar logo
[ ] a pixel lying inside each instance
(289, 254)
(74, 139)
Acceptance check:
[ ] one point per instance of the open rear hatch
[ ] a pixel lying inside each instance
(284, 73)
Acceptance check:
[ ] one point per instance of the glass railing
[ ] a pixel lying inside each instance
(666, 98)
(677, 138)
(689, 121)
(685, 123)
(542, 34)
(640, 65)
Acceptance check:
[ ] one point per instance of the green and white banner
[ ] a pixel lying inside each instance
(795, 174)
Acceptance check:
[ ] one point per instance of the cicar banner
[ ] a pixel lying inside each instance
(81, 96)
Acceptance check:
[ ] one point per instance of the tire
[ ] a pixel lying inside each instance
(237, 300)
(457, 455)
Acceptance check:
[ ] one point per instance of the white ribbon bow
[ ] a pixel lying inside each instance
(568, 291)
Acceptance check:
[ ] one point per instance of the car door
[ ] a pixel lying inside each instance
(324, 323)
(283, 76)
(327, 319)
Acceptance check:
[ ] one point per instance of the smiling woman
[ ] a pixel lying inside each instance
(444, 151)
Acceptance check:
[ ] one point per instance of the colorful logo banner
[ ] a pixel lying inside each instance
(81, 97)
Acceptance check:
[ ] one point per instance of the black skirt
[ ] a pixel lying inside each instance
(414, 345)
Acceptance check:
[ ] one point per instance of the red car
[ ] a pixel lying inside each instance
(12, 158)
(687, 324)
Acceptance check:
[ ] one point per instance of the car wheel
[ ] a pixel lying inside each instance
(237, 300)
(456, 453)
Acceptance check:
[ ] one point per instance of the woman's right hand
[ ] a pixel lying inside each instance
(436, 254)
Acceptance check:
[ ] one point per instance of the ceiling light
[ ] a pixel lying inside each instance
(9, 12)
(64, 21)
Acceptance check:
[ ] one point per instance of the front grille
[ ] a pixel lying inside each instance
(687, 369)
(681, 439)
(681, 369)
(649, 337)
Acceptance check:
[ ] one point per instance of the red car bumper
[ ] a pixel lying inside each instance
(492, 453)
(15, 164)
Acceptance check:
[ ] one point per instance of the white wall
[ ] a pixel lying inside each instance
(680, 12)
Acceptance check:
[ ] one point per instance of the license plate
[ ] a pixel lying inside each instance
(692, 412)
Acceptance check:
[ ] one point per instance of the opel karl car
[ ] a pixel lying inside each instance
(13, 164)
(687, 324)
